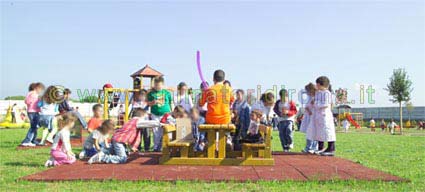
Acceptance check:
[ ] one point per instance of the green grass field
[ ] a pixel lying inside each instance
(402, 156)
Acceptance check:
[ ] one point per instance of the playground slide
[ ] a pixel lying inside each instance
(351, 120)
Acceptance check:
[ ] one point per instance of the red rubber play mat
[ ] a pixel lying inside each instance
(290, 166)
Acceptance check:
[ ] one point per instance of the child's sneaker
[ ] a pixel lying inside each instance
(96, 158)
(49, 140)
(41, 144)
(82, 155)
(326, 153)
(49, 163)
(29, 144)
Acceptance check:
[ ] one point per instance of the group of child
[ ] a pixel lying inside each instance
(216, 104)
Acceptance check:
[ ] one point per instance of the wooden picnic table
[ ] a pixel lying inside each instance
(212, 130)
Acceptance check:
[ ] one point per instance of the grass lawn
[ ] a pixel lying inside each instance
(402, 156)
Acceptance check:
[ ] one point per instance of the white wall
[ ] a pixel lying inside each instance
(84, 108)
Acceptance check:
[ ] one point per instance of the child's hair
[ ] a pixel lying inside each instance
(35, 86)
(179, 111)
(181, 85)
(139, 112)
(283, 92)
(65, 119)
(106, 126)
(258, 113)
(330, 88)
(228, 82)
(323, 81)
(267, 97)
(143, 92)
(310, 88)
(219, 75)
(67, 91)
(240, 91)
(202, 85)
(194, 110)
(96, 106)
(159, 79)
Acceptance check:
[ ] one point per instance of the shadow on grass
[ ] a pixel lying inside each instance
(21, 164)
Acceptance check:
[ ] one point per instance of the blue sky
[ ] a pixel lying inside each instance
(84, 45)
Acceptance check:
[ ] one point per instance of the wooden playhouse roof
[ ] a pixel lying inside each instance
(147, 71)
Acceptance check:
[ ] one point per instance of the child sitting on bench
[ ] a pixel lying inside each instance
(218, 98)
(253, 135)
(200, 138)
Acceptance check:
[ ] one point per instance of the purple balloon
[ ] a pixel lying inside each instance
(198, 62)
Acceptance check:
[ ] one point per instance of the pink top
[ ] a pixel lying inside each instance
(32, 100)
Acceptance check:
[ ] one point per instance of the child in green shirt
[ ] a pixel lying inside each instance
(160, 102)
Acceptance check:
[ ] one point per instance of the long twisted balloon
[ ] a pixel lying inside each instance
(198, 62)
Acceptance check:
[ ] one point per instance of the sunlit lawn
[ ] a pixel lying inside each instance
(402, 156)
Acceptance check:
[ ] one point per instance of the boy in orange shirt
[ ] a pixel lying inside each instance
(218, 98)
(96, 120)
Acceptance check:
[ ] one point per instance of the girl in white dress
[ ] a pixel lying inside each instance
(306, 125)
(322, 119)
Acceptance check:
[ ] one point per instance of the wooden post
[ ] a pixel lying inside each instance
(221, 144)
(211, 144)
(126, 106)
(105, 104)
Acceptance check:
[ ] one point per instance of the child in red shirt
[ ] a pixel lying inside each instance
(96, 120)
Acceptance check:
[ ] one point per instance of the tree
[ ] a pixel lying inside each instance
(410, 108)
(89, 99)
(17, 97)
(399, 89)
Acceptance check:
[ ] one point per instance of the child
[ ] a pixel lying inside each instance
(253, 135)
(160, 102)
(383, 126)
(286, 110)
(202, 109)
(127, 136)
(97, 140)
(66, 107)
(14, 112)
(372, 125)
(31, 100)
(200, 138)
(241, 111)
(306, 126)
(391, 126)
(183, 98)
(323, 118)
(48, 110)
(218, 98)
(170, 118)
(139, 101)
(96, 120)
(61, 151)
(345, 125)
(265, 105)
(121, 114)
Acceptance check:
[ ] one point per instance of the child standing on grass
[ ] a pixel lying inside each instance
(391, 126)
(345, 125)
(323, 118)
(97, 140)
(61, 151)
(48, 110)
(286, 110)
(241, 110)
(160, 102)
(127, 136)
(96, 120)
(31, 100)
(139, 102)
(383, 126)
(183, 98)
(306, 126)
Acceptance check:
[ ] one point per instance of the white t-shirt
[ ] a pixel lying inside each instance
(89, 143)
(253, 127)
(184, 100)
(63, 138)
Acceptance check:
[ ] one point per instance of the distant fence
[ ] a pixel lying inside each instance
(418, 113)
